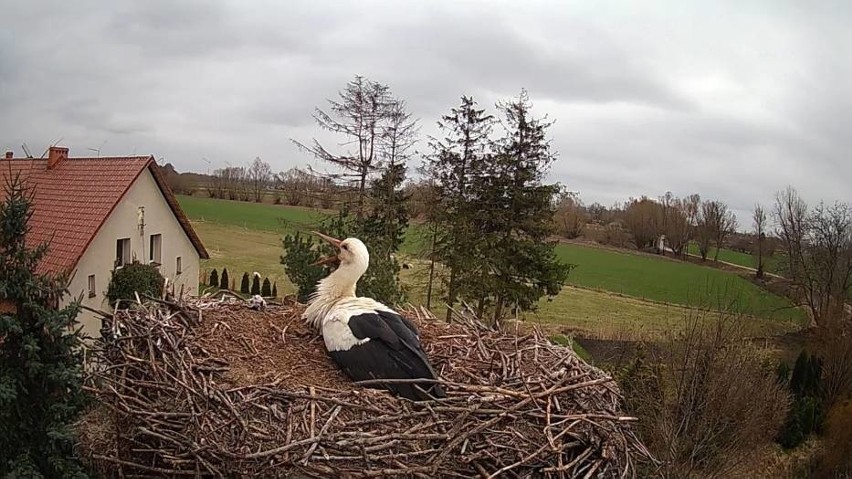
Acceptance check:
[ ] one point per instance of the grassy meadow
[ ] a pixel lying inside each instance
(610, 293)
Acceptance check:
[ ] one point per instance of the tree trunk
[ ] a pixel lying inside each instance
(451, 293)
(431, 268)
(498, 310)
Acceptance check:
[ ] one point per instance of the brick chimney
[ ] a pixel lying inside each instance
(56, 155)
(9, 155)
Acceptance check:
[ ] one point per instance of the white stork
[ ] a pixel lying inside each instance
(367, 339)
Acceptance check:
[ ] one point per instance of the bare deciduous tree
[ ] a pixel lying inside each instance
(819, 254)
(569, 217)
(360, 115)
(715, 224)
(644, 218)
(259, 174)
(676, 222)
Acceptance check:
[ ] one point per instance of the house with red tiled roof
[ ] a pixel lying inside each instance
(99, 214)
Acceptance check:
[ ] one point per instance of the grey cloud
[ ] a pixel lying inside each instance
(730, 101)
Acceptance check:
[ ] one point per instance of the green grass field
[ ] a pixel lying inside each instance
(610, 285)
(256, 216)
(738, 258)
(647, 277)
(726, 255)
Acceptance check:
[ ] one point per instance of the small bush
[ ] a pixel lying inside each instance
(255, 285)
(807, 412)
(298, 260)
(135, 278)
(244, 284)
(224, 281)
(214, 278)
(266, 289)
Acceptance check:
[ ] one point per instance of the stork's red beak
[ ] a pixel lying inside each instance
(333, 259)
(332, 241)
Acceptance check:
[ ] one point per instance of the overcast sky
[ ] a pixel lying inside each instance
(732, 100)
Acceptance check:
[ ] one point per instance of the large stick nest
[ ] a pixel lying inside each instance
(217, 389)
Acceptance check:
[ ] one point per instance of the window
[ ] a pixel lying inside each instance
(155, 254)
(92, 292)
(178, 266)
(122, 252)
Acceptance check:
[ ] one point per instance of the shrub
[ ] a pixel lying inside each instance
(705, 398)
(297, 260)
(380, 282)
(224, 281)
(255, 285)
(214, 278)
(244, 284)
(266, 289)
(806, 413)
(134, 278)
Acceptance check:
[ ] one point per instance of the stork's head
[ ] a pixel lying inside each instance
(352, 255)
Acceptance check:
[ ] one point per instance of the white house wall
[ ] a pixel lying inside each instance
(99, 257)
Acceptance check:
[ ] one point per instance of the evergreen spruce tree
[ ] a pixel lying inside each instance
(274, 289)
(214, 278)
(255, 285)
(244, 284)
(224, 281)
(520, 208)
(40, 355)
(266, 289)
(455, 162)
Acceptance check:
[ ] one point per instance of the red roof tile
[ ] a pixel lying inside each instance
(74, 199)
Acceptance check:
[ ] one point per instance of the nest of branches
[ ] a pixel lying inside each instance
(213, 388)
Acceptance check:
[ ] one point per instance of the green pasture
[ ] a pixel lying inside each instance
(256, 216)
(738, 258)
(246, 237)
(659, 279)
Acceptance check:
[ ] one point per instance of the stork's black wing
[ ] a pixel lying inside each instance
(394, 352)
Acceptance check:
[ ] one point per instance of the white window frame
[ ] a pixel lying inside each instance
(92, 286)
(178, 265)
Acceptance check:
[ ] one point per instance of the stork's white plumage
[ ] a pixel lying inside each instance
(367, 339)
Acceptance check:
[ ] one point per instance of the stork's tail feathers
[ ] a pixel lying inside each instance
(418, 392)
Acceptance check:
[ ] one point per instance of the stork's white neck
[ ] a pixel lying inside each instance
(340, 284)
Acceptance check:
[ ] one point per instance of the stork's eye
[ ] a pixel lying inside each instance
(346, 247)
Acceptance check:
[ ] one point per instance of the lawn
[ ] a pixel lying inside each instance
(648, 277)
(256, 216)
(246, 237)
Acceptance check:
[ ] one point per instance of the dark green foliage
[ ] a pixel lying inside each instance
(454, 163)
(214, 279)
(520, 207)
(266, 289)
(255, 285)
(244, 284)
(298, 259)
(40, 358)
(224, 281)
(495, 211)
(134, 278)
(380, 282)
(274, 290)
(807, 412)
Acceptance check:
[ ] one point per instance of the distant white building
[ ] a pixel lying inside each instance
(98, 214)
